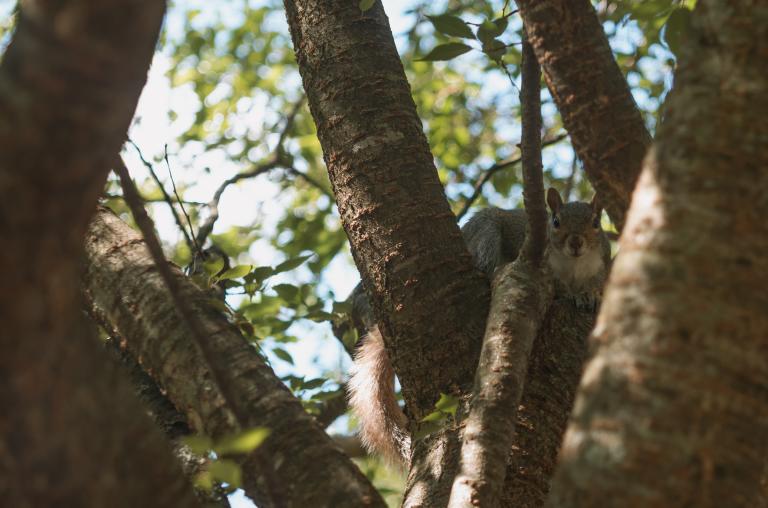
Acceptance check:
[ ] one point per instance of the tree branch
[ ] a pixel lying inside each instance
(606, 128)
(126, 284)
(520, 295)
(277, 159)
(415, 267)
(73, 434)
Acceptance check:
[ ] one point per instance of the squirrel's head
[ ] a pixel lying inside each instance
(574, 228)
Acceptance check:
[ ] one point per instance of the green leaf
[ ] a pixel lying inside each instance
(366, 4)
(236, 272)
(290, 264)
(200, 445)
(428, 428)
(287, 292)
(242, 442)
(344, 307)
(489, 30)
(204, 481)
(323, 396)
(447, 404)
(260, 274)
(226, 471)
(318, 316)
(677, 27)
(350, 337)
(314, 383)
(283, 355)
(434, 416)
(495, 49)
(451, 25)
(213, 266)
(445, 52)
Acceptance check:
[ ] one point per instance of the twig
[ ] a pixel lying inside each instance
(569, 181)
(109, 195)
(219, 373)
(332, 409)
(206, 227)
(311, 181)
(166, 197)
(488, 174)
(197, 244)
(273, 162)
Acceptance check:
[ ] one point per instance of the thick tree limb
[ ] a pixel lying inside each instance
(672, 409)
(125, 283)
(520, 295)
(606, 128)
(404, 238)
(73, 433)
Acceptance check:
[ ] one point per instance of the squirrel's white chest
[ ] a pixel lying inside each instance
(575, 272)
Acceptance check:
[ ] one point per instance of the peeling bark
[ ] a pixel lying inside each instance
(72, 434)
(672, 409)
(307, 468)
(606, 128)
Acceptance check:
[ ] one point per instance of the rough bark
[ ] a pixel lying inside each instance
(404, 238)
(173, 424)
(430, 302)
(304, 467)
(521, 293)
(672, 409)
(606, 128)
(72, 433)
(554, 371)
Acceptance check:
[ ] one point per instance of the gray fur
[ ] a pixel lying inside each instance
(579, 256)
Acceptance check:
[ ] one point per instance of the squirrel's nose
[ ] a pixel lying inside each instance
(575, 242)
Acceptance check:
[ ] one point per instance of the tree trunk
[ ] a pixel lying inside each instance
(72, 432)
(606, 128)
(405, 240)
(308, 469)
(672, 410)
(430, 302)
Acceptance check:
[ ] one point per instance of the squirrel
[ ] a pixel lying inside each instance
(579, 256)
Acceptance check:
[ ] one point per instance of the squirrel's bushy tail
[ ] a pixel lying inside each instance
(371, 394)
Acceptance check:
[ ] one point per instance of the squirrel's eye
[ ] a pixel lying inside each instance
(596, 223)
(556, 222)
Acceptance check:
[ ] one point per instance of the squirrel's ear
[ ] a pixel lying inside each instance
(596, 204)
(554, 200)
